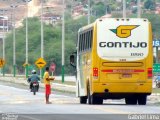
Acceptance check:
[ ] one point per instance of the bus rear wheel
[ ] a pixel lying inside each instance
(83, 100)
(142, 99)
(94, 100)
(131, 100)
(99, 101)
(91, 98)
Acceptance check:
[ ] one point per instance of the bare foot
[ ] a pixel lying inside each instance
(48, 102)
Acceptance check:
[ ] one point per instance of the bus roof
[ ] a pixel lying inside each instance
(122, 19)
(86, 27)
(104, 18)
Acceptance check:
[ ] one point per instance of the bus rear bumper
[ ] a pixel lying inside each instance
(117, 95)
(120, 90)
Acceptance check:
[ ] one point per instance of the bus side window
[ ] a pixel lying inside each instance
(83, 42)
(79, 45)
(91, 39)
(87, 40)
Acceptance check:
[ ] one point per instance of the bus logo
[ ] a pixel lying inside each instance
(124, 31)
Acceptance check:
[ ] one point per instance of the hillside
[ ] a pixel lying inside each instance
(52, 36)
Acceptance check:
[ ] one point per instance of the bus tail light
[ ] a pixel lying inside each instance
(95, 72)
(149, 72)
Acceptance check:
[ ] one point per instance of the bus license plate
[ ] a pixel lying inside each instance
(126, 75)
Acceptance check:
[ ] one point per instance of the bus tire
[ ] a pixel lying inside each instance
(88, 94)
(99, 101)
(91, 98)
(131, 101)
(142, 99)
(83, 100)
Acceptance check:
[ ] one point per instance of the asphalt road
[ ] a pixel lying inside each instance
(68, 117)
(16, 100)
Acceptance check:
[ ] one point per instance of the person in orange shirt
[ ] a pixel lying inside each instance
(47, 80)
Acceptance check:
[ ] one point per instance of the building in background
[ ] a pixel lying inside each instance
(3, 23)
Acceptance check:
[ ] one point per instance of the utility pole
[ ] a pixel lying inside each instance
(14, 42)
(14, 46)
(63, 42)
(26, 39)
(124, 8)
(3, 41)
(89, 13)
(139, 9)
(42, 38)
(157, 54)
(3, 45)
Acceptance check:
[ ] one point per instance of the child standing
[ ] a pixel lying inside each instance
(47, 80)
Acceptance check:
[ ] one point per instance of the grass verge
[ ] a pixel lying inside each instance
(156, 90)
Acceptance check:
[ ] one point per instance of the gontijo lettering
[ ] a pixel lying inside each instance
(123, 44)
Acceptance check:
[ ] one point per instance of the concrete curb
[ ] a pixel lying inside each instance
(155, 94)
(56, 86)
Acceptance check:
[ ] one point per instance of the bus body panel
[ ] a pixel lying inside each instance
(84, 72)
(80, 89)
(125, 40)
(122, 87)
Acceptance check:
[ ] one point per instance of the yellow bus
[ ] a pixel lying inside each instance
(114, 60)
